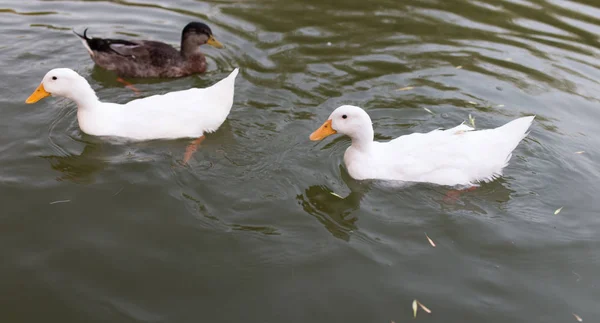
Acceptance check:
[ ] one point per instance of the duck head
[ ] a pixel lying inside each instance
(346, 120)
(196, 34)
(62, 82)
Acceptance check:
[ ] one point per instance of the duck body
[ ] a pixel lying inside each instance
(181, 114)
(456, 156)
(152, 59)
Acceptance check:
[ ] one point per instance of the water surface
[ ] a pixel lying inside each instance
(97, 231)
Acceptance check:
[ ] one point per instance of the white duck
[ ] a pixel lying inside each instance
(457, 156)
(181, 114)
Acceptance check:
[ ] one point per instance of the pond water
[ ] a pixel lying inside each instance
(97, 231)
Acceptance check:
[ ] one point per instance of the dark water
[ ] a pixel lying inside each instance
(94, 231)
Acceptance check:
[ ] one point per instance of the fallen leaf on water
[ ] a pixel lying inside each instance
(427, 110)
(577, 317)
(558, 210)
(406, 88)
(579, 152)
(424, 308)
(61, 201)
(430, 241)
(472, 120)
(458, 67)
(334, 194)
(414, 306)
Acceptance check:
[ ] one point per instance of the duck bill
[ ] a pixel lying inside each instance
(323, 132)
(37, 95)
(214, 43)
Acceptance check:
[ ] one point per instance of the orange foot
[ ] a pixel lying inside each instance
(453, 195)
(128, 85)
(191, 148)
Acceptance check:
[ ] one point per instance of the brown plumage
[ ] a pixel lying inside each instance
(146, 58)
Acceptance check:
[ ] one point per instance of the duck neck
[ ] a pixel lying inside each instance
(83, 95)
(189, 48)
(363, 139)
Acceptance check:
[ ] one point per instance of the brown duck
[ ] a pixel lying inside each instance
(146, 58)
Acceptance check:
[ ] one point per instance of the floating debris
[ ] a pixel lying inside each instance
(406, 88)
(508, 59)
(579, 152)
(472, 102)
(415, 308)
(424, 108)
(459, 67)
(430, 241)
(328, 43)
(424, 308)
(500, 106)
(61, 201)
(472, 120)
(577, 317)
(119, 191)
(558, 210)
(334, 194)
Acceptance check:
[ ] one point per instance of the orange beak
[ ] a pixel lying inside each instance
(37, 95)
(324, 131)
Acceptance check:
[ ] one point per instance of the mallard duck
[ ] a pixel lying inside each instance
(458, 156)
(181, 114)
(146, 58)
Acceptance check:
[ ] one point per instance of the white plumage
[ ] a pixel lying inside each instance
(182, 114)
(457, 156)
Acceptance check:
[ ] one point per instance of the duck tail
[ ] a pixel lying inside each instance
(229, 81)
(515, 131)
(518, 127)
(233, 74)
(85, 40)
(221, 96)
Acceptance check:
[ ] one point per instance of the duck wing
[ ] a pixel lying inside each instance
(181, 114)
(105, 45)
(459, 155)
(156, 53)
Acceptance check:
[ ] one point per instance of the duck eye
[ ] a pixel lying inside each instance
(54, 78)
(344, 116)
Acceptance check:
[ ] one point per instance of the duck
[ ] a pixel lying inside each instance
(152, 59)
(181, 114)
(459, 156)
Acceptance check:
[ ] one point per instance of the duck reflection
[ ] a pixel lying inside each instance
(335, 212)
(99, 153)
(468, 200)
(332, 210)
(79, 168)
(141, 87)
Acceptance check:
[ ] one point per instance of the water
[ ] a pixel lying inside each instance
(95, 231)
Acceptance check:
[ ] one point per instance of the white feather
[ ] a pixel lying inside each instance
(457, 156)
(182, 114)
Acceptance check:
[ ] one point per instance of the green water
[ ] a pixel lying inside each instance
(95, 231)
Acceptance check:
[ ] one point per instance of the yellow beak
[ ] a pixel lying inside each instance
(37, 95)
(213, 42)
(324, 131)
